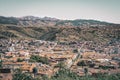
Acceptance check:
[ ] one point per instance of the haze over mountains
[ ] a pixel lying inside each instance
(47, 28)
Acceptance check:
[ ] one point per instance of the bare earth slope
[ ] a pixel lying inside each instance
(61, 30)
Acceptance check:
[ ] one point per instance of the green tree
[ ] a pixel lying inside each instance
(81, 63)
(1, 64)
(35, 70)
(86, 71)
(19, 60)
(91, 65)
(75, 51)
(36, 58)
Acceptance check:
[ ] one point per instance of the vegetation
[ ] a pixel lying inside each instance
(66, 75)
(20, 60)
(75, 51)
(81, 63)
(61, 65)
(35, 70)
(91, 65)
(36, 58)
(8, 20)
(21, 76)
(0, 61)
(85, 71)
(1, 64)
(106, 67)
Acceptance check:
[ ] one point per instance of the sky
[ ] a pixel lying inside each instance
(103, 10)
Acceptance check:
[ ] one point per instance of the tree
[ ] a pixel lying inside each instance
(85, 71)
(35, 71)
(75, 51)
(81, 63)
(1, 64)
(91, 65)
(19, 60)
(36, 58)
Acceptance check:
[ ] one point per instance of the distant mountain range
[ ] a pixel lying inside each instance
(30, 27)
(48, 21)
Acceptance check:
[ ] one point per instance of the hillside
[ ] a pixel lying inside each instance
(61, 30)
(31, 21)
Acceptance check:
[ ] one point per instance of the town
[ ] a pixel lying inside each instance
(39, 57)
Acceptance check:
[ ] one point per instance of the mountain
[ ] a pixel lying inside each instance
(8, 20)
(28, 18)
(32, 21)
(28, 21)
(30, 27)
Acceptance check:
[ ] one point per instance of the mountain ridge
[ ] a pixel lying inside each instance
(48, 21)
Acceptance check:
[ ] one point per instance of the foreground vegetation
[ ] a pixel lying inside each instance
(65, 74)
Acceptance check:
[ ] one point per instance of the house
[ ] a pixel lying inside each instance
(45, 70)
(5, 74)
(28, 67)
(13, 65)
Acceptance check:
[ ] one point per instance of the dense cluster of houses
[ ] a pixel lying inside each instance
(16, 54)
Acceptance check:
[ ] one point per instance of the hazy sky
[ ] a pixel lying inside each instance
(105, 10)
